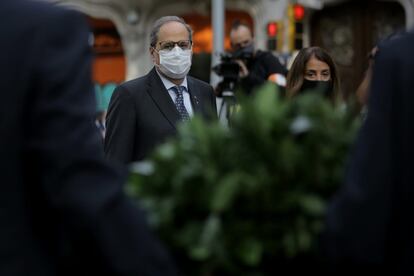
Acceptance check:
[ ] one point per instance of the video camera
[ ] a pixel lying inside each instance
(229, 69)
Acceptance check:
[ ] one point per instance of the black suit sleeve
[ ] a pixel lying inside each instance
(264, 65)
(359, 216)
(120, 127)
(66, 148)
(273, 64)
(213, 103)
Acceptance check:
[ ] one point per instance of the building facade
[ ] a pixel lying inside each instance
(348, 29)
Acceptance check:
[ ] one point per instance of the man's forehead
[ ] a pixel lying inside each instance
(173, 28)
(241, 31)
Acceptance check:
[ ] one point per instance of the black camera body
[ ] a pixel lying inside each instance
(229, 69)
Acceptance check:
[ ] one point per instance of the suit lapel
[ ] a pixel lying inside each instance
(162, 99)
(195, 96)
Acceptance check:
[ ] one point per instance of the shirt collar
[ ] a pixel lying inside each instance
(169, 84)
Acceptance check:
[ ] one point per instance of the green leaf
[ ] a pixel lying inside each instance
(304, 240)
(203, 249)
(312, 204)
(211, 230)
(225, 192)
(251, 251)
(200, 253)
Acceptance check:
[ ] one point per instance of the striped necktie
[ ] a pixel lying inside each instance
(179, 102)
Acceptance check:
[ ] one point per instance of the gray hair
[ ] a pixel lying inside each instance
(163, 20)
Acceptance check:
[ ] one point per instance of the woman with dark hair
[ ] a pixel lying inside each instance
(313, 69)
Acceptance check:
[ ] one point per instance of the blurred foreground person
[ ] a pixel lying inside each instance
(362, 92)
(370, 225)
(62, 208)
(313, 69)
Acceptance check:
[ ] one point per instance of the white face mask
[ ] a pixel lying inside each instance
(176, 63)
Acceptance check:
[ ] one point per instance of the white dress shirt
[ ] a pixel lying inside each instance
(186, 95)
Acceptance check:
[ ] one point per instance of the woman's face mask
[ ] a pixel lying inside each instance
(175, 63)
(324, 87)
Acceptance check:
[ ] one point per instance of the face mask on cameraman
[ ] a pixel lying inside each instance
(175, 63)
(244, 53)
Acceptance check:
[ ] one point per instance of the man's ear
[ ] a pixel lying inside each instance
(152, 53)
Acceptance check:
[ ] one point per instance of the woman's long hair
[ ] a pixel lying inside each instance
(296, 73)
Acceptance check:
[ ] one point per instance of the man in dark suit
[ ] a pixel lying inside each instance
(370, 225)
(62, 206)
(145, 111)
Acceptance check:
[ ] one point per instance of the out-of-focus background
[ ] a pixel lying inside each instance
(347, 29)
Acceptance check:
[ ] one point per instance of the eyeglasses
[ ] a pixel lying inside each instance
(169, 45)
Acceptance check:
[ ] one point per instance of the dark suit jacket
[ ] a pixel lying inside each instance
(370, 225)
(62, 206)
(142, 114)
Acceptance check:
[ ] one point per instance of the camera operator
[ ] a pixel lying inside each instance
(256, 66)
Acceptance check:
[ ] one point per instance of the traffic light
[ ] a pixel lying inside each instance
(297, 15)
(272, 29)
(298, 12)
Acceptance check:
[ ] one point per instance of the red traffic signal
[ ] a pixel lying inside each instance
(298, 12)
(272, 29)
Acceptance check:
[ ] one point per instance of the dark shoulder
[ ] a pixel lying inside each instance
(400, 46)
(35, 20)
(135, 85)
(198, 82)
(268, 57)
(270, 61)
(264, 55)
(41, 13)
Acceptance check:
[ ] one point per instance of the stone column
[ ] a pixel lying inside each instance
(131, 26)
